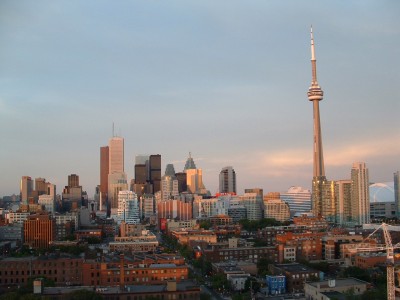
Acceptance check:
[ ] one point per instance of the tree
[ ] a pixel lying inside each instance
(205, 296)
(262, 266)
(219, 281)
(251, 283)
(358, 273)
(206, 224)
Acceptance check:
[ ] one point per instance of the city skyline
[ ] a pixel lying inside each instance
(225, 83)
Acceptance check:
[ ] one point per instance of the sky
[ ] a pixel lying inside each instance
(224, 80)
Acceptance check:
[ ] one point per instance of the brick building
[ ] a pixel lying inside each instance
(296, 275)
(253, 254)
(138, 269)
(63, 270)
(308, 245)
(185, 236)
(39, 230)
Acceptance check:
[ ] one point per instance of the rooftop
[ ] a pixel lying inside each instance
(295, 267)
(338, 282)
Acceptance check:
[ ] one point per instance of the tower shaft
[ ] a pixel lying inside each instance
(315, 94)
(322, 190)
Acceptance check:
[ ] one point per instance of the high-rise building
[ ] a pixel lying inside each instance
(396, 184)
(276, 209)
(258, 191)
(73, 180)
(155, 171)
(26, 189)
(116, 182)
(182, 181)
(40, 186)
(194, 177)
(169, 187)
(174, 209)
(360, 193)
(322, 189)
(72, 195)
(343, 202)
(254, 205)
(49, 203)
(147, 205)
(104, 170)
(227, 180)
(116, 155)
(128, 207)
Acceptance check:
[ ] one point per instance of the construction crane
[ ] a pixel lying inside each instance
(389, 248)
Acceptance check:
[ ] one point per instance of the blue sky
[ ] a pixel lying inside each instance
(226, 80)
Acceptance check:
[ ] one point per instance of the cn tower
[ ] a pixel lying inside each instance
(315, 94)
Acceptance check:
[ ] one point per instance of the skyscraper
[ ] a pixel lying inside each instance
(128, 207)
(104, 170)
(194, 177)
(73, 180)
(396, 184)
(155, 171)
(116, 177)
(343, 202)
(360, 193)
(116, 155)
(26, 188)
(169, 187)
(227, 180)
(322, 189)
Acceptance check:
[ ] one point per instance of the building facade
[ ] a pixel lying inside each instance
(360, 194)
(39, 231)
(227, 180)
(128, 207)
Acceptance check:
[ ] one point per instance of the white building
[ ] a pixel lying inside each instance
(147, 204)
(128, 207)
(16, 217)
(169, 187)
(49, 203)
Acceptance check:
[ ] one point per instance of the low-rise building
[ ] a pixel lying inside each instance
(63, 269)
(324, 289)
(276, 284)
(252, 254)
(128, 270)
(130, 244)
(168, 290)
(184, 236)
(296, 275)
(238, 281)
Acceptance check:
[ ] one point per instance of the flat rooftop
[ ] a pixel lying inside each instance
(338, 282)
(295, 268)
